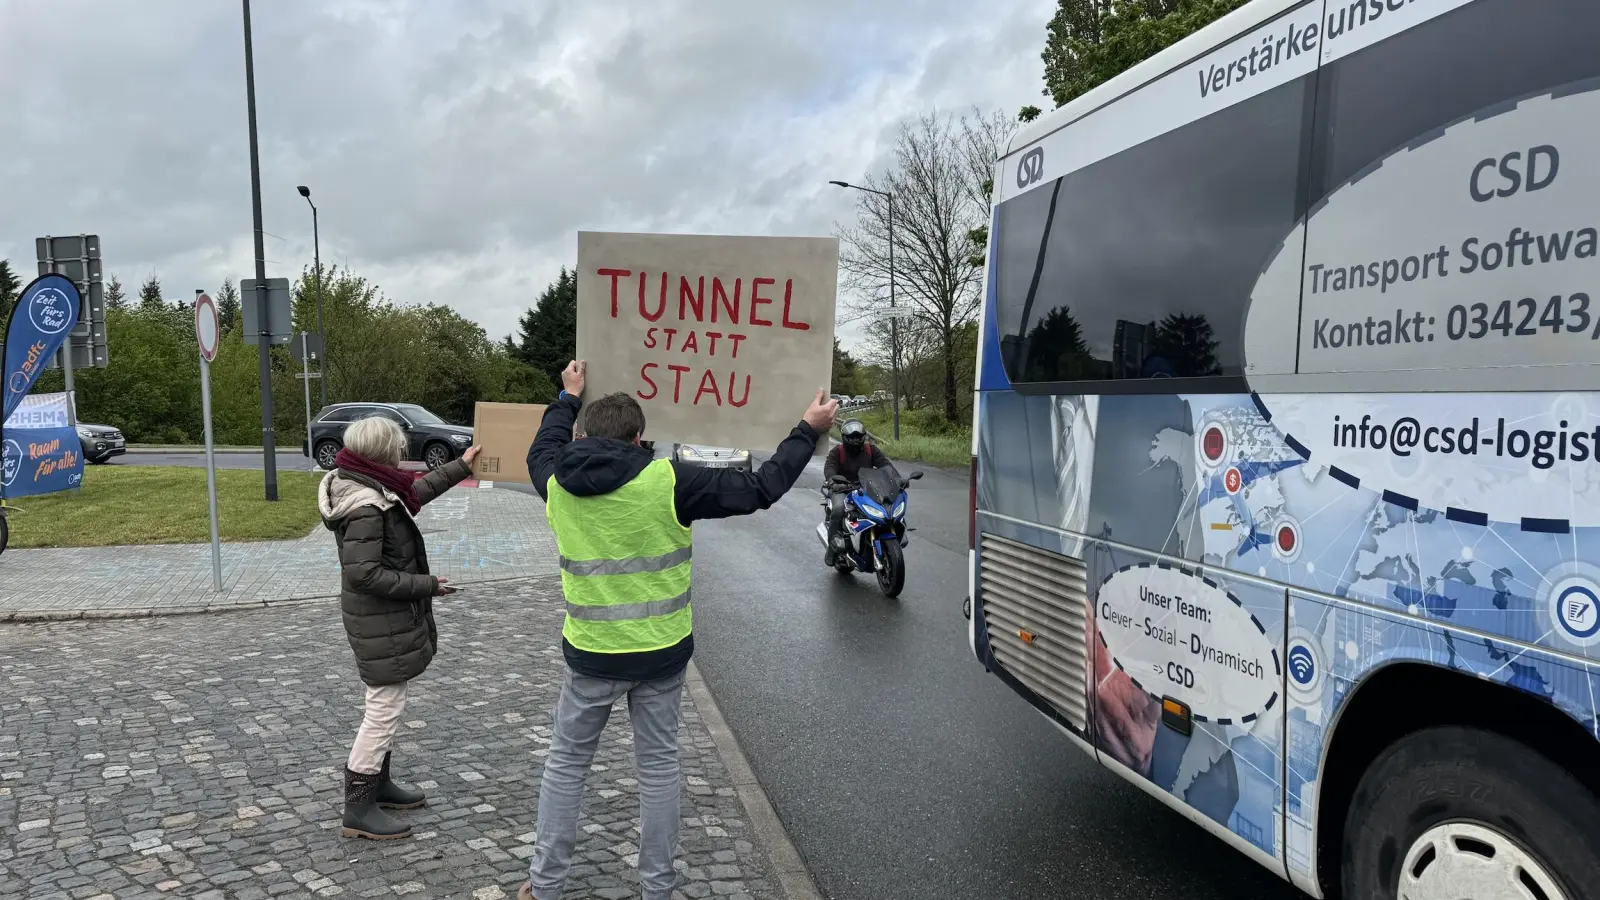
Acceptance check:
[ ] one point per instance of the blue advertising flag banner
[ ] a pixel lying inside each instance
(44, 315)
(41, 461)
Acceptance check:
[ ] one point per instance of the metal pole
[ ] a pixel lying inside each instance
(269, 455)
(305, 366)
(66, 346)
(316, 250)
(894, 324)
(211, 475)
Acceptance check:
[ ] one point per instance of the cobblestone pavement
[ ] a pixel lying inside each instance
(201, 756)
(473, 535)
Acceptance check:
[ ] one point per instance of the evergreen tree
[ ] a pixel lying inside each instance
(150, 295)
(1055, 349)
(549, 331)
(228, 306)
(9, 285)
(1186, 341)
(116, 297)
(845, 370)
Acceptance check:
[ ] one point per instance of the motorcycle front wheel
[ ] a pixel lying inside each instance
(892, 572)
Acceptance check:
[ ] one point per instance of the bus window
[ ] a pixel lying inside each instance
(1139, 267)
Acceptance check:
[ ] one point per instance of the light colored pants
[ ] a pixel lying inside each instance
(580, 716)
(385, 706)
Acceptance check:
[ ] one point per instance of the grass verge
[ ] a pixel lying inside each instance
(164, 505)
(950, 448)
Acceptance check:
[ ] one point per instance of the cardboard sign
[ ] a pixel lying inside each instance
(503, 433)
(723, 340)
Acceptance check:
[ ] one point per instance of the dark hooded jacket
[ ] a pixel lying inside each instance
(386, 592)
(592, 466)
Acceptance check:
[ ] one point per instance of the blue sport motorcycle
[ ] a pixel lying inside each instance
(874, 531)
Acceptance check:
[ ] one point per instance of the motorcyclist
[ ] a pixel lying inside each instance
(844, 465)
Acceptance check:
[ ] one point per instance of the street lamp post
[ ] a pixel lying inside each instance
(894, 322)
(316, 250)
(269, 457)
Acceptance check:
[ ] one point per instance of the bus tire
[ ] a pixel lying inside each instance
(1463, 812)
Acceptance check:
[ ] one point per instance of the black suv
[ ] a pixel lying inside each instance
(428, 437)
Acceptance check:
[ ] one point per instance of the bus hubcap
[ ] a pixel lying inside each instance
(1463, 861)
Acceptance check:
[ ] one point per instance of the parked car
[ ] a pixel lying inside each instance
(861, 399)
(429, 438)
(100, 442)
(711, 457)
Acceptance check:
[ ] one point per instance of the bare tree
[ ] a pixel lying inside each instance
(939, 208)
(920, 352)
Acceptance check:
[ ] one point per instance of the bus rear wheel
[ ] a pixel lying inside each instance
(1452, 812)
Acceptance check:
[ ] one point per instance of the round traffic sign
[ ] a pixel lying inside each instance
(206, 332)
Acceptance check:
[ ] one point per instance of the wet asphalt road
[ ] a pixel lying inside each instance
(899, 768)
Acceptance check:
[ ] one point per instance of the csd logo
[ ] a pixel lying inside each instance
(1031, 167)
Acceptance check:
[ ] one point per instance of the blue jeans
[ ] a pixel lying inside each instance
(580, 717)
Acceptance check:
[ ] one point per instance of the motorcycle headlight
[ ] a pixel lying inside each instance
(900, 508)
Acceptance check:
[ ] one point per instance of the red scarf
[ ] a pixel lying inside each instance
(397, 481)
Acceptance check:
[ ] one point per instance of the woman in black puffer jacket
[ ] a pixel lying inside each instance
(386, 597)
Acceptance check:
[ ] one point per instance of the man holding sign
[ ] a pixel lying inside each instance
(622, 523)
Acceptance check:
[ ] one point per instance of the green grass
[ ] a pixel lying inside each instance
(941, 444)
(164, 505)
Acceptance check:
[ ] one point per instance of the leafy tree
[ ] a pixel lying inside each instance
(548, 337)
(150, 294)
(377, 350)
(1089, 42)
(1186, 341)
(228, 306)
(116, 297)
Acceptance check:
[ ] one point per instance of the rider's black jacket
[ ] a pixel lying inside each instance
(847, 465)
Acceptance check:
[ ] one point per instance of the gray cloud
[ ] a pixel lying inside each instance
(455, 148)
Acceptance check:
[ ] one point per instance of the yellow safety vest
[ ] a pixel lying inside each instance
(625, 561)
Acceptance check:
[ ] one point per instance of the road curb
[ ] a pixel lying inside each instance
(239, 451)
(24, 617)
(789, 866)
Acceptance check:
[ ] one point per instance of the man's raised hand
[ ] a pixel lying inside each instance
(822, 412)
(572, 377)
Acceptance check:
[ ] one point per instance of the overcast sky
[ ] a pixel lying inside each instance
(455, 147)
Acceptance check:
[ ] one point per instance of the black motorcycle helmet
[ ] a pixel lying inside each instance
(853, 434)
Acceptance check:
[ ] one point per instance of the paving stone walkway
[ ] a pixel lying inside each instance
(474, 534)
(200, 756)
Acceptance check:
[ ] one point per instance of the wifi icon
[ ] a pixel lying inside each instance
(1302, 664)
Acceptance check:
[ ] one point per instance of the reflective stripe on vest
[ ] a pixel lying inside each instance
(625, 564)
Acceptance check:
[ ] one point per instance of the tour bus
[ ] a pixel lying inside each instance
(1286, 452)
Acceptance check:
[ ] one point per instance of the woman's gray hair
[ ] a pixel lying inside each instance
(376, 438)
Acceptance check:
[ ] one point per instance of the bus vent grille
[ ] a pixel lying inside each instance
(1034, 606)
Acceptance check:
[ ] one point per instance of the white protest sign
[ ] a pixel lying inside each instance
(723, 340)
